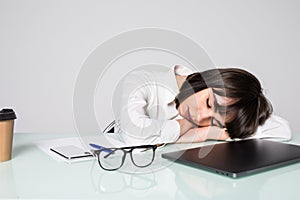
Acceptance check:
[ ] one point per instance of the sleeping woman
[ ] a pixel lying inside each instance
(177, 105)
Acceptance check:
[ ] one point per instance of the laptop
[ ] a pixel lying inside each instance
(238, 158)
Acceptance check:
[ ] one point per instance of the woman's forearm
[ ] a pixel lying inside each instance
(202, 134)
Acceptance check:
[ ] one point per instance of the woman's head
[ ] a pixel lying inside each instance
(227, 97)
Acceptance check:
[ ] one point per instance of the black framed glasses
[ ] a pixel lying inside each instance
(113, 158)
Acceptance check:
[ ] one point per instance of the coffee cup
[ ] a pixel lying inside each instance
(7, 117)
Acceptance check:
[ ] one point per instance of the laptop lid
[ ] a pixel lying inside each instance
(238, 158)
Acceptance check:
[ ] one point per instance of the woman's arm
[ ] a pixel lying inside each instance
(274, 128)
(202, 134)
(135, 123)
(189, 133)
(137, 127)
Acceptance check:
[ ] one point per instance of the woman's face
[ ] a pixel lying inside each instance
(199, 108)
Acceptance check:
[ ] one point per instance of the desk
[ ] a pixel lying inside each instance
(33, 174)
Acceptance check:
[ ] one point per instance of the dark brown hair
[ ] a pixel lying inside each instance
(250, 108)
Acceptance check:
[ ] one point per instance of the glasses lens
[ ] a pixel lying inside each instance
(142, 156)
(111, 159)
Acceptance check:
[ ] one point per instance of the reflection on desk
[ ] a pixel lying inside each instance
(118, 181)
(33, 174)
(7, 181)
(193, 182)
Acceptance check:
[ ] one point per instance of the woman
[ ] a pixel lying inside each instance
(177, 105)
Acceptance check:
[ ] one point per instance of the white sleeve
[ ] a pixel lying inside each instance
(135, 124)
(275, 128)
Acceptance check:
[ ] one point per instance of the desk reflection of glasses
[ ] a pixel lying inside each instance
(113, 158)
(116, 181)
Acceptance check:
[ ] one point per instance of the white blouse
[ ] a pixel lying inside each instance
(146, 111)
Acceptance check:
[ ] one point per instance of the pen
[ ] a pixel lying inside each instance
(96, 146)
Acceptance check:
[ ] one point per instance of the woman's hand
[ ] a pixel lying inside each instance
(185, 126)
(202, 134)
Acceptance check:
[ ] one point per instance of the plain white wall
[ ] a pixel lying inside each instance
(44, 43)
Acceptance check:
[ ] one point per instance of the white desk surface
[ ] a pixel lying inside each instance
(32, 174)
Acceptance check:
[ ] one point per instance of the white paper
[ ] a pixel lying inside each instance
(81, 142)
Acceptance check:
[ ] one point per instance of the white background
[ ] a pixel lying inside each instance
(43, 45)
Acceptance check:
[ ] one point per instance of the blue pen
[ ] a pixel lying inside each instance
(96, 146)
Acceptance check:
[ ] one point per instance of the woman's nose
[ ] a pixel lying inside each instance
(203, 116)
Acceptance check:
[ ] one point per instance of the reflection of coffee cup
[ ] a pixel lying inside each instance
(7, 183)
(7, 117)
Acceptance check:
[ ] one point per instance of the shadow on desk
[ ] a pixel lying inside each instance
(22, 149)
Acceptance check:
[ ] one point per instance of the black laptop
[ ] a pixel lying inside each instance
(238, 158)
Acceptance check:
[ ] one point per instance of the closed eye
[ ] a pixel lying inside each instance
(207, 103)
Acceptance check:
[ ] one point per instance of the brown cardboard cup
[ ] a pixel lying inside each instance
(7, 117)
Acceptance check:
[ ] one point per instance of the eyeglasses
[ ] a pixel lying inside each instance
(113, 158)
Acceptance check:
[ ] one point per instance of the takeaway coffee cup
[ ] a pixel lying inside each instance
(7, 117)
